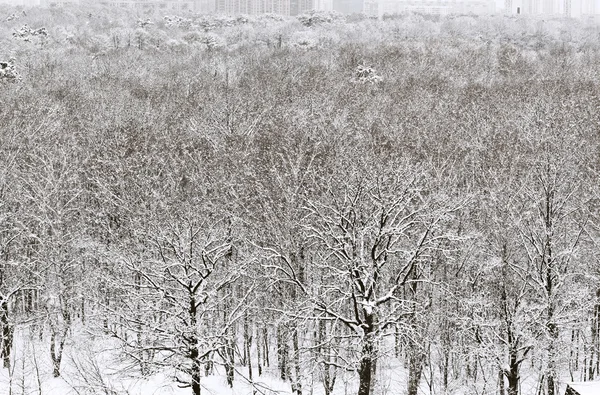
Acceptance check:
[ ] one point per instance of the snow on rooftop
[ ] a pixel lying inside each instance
(586, 388)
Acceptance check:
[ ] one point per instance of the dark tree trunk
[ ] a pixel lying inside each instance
(415, 369)
(209, 365)
(229, 360)
(193, 347)
(56, 351)
(247, 346)
(265, 339)
(397, 341)
(366, 368)
(365, 371)
(195, 366)
(57, 342)
(297, 384)
(551, 371)
(595, 346)
(513, 377)
(282, 353)
(324, 349)
(258, 352)
(228, 351)
(7, 334)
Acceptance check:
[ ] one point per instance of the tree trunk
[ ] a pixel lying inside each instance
(57, 342)
(415, 369)
(445, 370)
(595, 346)
(248, 343)
(266, 346)
(229, 360)
(258, 352)
(282, 353)
(193, 347)
(513, 377)
(228, 352)
(365, 371)
(366, 368)
(209, 365)
(325, 352)
(7, 334)
(297, 384)
(56, 351)
(195, 368)
(247, 346)
(397, 341)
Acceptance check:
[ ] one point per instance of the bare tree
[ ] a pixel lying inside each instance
(372, 237)
(173, 294)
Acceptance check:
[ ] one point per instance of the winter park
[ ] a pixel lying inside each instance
(296, 197)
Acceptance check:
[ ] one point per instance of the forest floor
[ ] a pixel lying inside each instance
(90, 367)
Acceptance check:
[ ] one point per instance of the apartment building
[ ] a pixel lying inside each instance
(437, 7)
(57, 3)
(569, 8)
(159, 5)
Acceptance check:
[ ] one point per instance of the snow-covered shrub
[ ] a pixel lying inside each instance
(26, 33)
(121, 37)
(8, 72)
(193, 37)
(141, 37)
(13, 16)
(175, 45)
(304, 40)
(178, 22)
(212, 40)
(209, 39)
(144, 22)
(365, 74)
(269, 18)
(314, 18)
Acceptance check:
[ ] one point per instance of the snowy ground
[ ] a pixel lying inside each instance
(91, 369)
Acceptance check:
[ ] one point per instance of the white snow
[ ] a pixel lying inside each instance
(586, 388)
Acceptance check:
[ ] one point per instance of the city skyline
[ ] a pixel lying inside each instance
(571, 8)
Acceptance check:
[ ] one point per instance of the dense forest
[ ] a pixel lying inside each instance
(348, 205)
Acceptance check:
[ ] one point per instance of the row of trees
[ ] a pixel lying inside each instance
(253, 211)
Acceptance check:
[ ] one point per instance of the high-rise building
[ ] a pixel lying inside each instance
(569, 8)
(255, 7)
(27, 3)
(348, 6)
(588, 7)
(437, 7)
(57, 3)
(153, 5)
(323, 5)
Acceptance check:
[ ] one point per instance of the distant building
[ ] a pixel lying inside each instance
(323, 5)
(150, 5)
(541, 7)
(26, 3)
(225, 7)
(348, 6)
(569, 8)
(57, 3)
(436, 7)
(589, 7)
